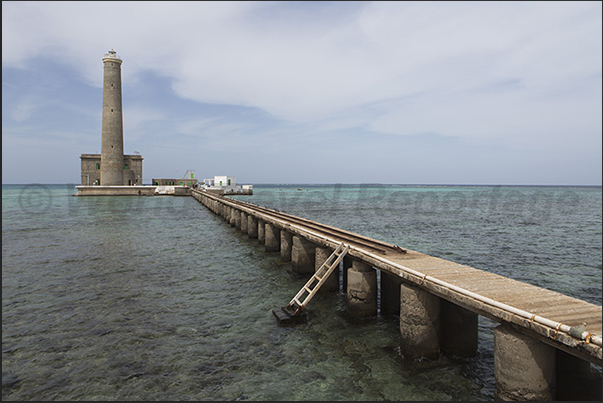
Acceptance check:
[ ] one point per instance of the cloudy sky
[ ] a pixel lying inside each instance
(310, 92)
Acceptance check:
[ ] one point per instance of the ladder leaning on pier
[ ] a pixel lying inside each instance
(301, 299)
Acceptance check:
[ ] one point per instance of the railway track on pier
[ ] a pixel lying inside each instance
(380, 247)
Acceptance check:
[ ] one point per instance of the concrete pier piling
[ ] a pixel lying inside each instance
(332, 282)
(302, 255)
(362, 290)
(232, 220)
(252, 227)
(237, 215)
(273, 238)
(261, 232)
(286, 245)
(243, 225)
(524, 368)
(419, 323)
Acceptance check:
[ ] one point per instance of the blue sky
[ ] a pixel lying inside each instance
(310, 92)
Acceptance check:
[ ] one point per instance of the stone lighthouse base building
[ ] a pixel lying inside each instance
(91, 167)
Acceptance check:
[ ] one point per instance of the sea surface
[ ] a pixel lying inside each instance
(157, 298)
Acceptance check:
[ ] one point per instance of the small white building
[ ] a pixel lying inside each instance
(228, 184)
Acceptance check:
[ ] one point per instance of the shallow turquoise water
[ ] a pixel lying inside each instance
(156, 298)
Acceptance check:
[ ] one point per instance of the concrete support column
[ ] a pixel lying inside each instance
(273, 238)
(286, 245)
(524, 368)
(233, 218)
(252, 226)
(575, 379)
(243, 222)
(458, 329)
(362, 290)
(261, 231)
(419, 323)
(237, 215)
(390, 294)
(332, 282)
(302, 255)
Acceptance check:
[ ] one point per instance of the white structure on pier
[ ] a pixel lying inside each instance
(228, 184)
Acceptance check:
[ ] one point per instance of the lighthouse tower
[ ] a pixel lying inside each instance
(112, 145)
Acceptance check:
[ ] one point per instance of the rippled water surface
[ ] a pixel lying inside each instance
(156, 298)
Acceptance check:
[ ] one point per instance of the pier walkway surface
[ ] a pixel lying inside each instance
(566, 323)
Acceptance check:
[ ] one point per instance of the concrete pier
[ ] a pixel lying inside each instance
(273, 238)
(237, 215)
(362, 290)
(261, 231)
(302, 255)
(232, 220)
(524, 368)
(243, 225)
(332, 282)
(458, 329)
(438, 303)
(286, 245)
(419, 323)
(252, 227)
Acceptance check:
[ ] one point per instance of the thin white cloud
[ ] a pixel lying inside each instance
(311, 69)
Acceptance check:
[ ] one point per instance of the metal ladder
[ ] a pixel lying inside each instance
(306, 293)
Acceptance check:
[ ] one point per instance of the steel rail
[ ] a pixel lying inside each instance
(356, 238)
